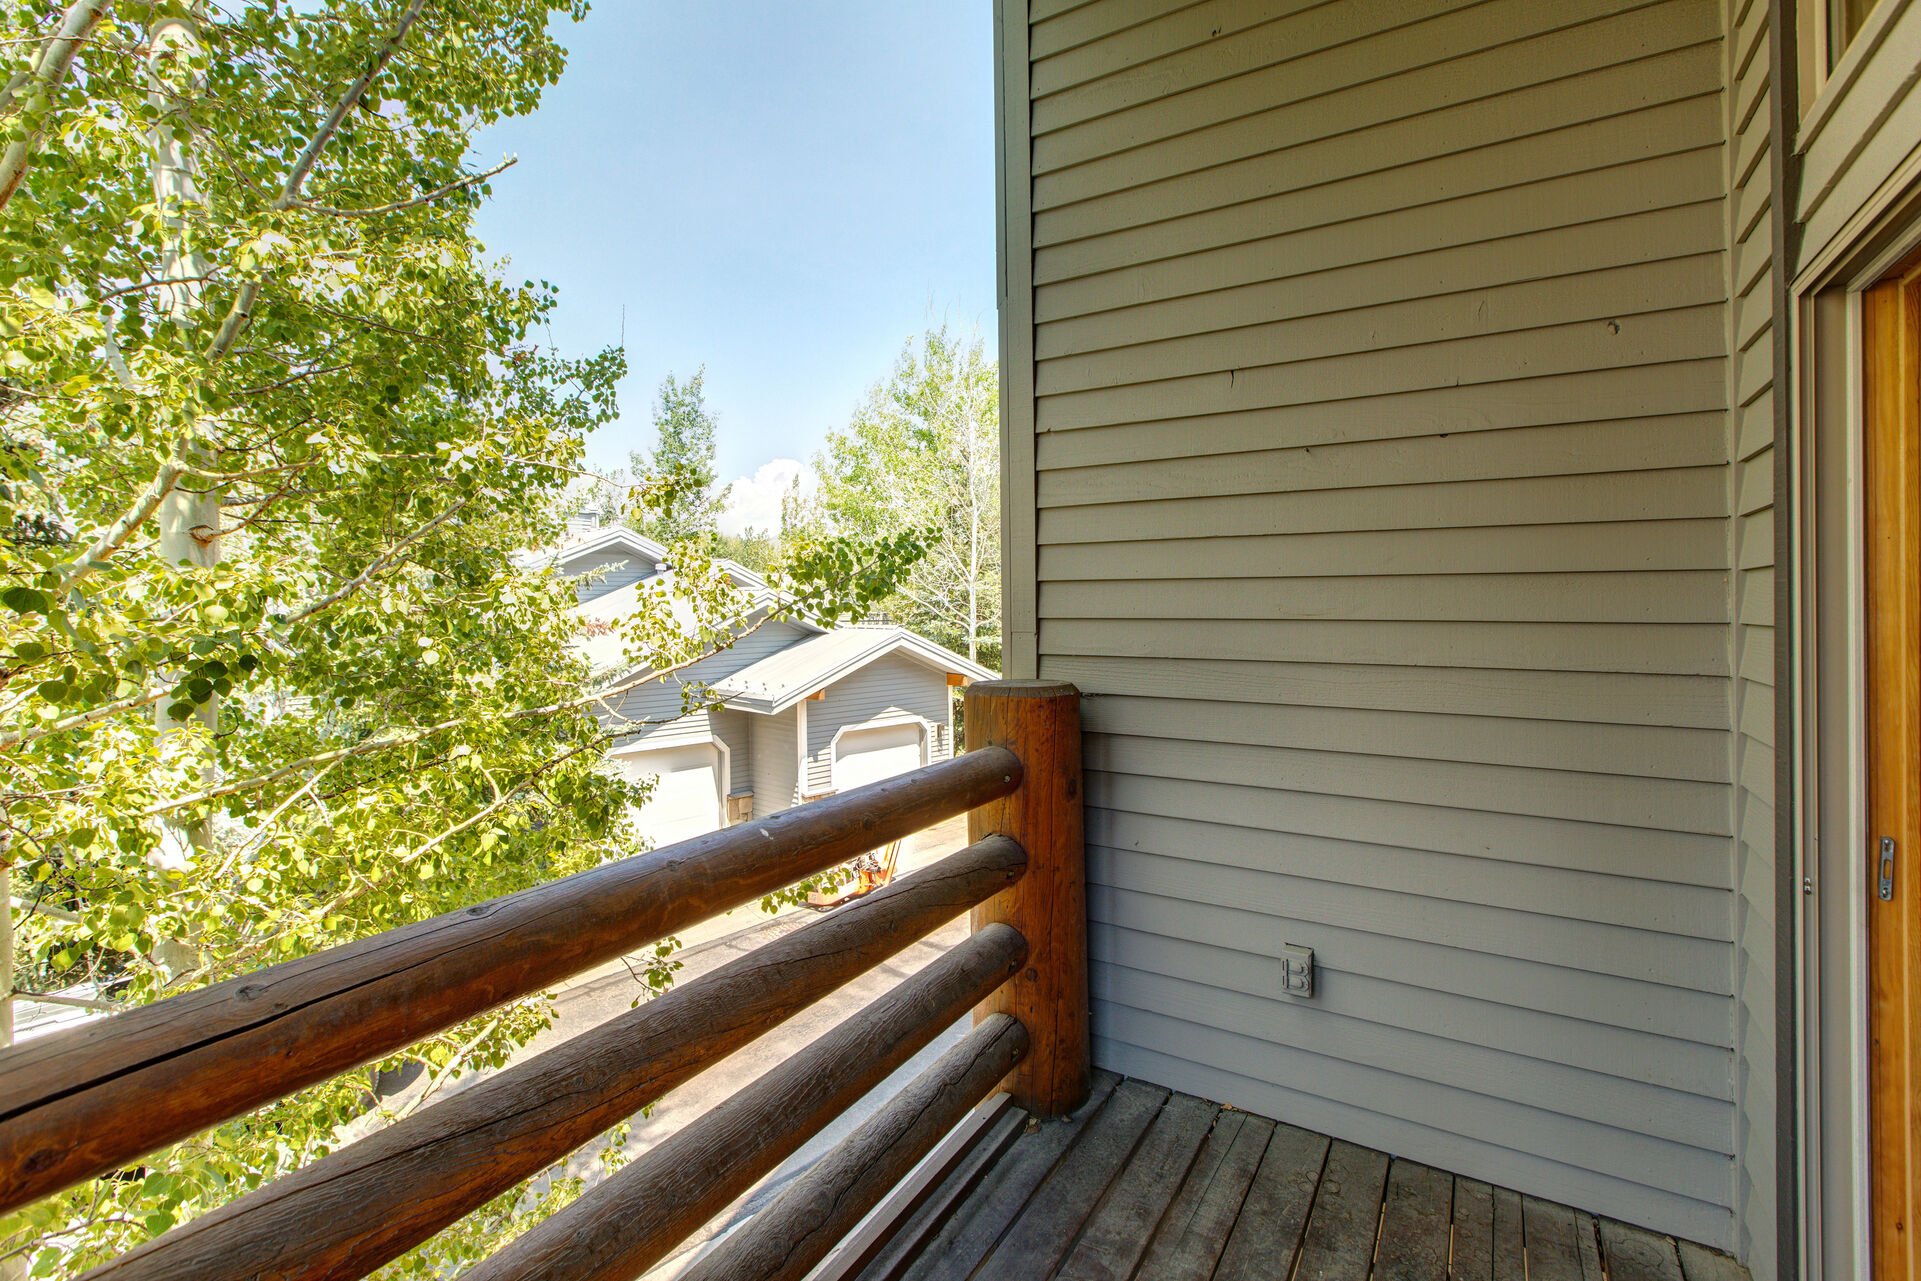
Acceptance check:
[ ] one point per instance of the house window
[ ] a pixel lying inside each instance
(1825, 30)
(1844, 21)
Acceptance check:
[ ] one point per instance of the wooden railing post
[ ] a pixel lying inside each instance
(1040, 722)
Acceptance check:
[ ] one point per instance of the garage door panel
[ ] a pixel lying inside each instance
(865, 756)
(686, 797)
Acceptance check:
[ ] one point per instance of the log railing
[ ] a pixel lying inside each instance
(97, 1098)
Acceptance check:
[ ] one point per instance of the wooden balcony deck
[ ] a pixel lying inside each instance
(1145, 1184)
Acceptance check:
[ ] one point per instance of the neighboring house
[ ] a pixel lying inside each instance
(802, 711)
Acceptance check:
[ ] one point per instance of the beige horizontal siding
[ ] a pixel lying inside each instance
(1382, 358)
(1670, 857)
(1751, 285)
(1692, 702)
(1589, 396)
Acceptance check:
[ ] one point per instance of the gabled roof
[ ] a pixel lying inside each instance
(620, 538)
(783, 679)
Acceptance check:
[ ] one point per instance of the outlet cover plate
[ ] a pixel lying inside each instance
(1297, 970)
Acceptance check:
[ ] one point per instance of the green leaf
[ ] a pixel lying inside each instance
(25, 600)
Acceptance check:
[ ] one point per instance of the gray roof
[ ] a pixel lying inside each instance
(782, 679)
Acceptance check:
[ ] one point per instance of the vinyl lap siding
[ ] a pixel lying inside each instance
(736, 731)
(1381, 463)
(1751, 290)
(776, 763)
(654, 713)
(609, 571)
(889, 689)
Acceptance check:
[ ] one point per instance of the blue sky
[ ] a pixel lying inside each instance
(783, 190)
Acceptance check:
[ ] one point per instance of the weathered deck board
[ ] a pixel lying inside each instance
(1041, 1235)
(1473, 1258)
(1187, 1244)
(1553, 1244)
(1144, 1185)
(1510, 1252)
(1347, 1215)
(981, 1219)
(1415, 1224)
(1116, 1234)
(1698, 1263)
(1635, 1254)
(1272, 1218)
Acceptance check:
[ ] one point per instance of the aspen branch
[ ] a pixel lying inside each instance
(148, 697)
(242, 310)
(114, 536)
(43, 82)
(374, 567)
(367, 747)
(459, 184)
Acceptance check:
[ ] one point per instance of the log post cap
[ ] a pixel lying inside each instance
(1023, 689)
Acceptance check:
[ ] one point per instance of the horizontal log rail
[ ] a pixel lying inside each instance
(813, 1214)
(98, 1097)
(371, 1201)
(624, 1226)
(87, 1101)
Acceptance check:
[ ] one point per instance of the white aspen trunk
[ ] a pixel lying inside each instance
(973, 545)
(189, 516)
(6, 953)
(10, 1269)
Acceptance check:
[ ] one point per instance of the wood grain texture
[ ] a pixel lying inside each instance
(1116, 1235)
(1473, 1239)
(85, 1101)
(1038, 1239)
(1635, 1254)
(1340, 1235)
(785, 1240)
(1698, 1263)
(449, 1159)
(1891, 341)
(882, 1245)
(1039, 721)
(1187, 1243)
(1267, 1234)
(635, 1218)
(1416, 1224)
(1510, 1245)
(1553, 1242)
(959, 1246)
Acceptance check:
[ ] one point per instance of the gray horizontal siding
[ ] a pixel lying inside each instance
(776, 753)
(1382, 508)
(656, 713)
(735, 730)
(890, 688)
(609, 571)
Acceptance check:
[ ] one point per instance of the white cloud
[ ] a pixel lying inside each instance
(754, 501)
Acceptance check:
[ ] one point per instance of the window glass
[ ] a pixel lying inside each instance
(1844, 23)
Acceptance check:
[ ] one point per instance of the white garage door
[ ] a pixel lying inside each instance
(686, 800)
(869, 755)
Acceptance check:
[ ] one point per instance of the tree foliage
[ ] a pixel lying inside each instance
(686, 498)
(243, 312)
(922, 454)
